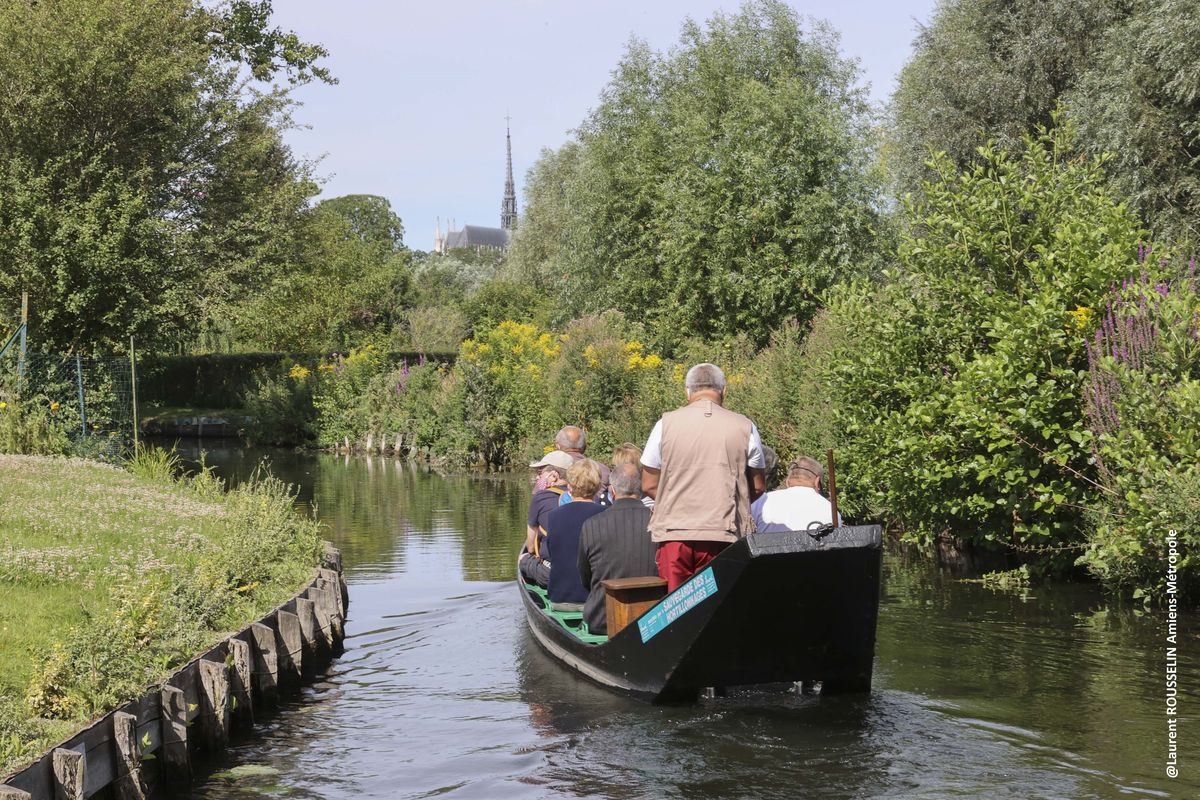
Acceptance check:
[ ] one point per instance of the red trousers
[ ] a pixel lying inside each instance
(678, 561)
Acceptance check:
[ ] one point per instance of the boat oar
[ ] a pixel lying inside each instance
(832, 485)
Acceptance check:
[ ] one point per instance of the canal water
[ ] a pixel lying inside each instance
(442, 691)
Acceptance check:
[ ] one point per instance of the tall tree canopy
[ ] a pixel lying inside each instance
(1125, 73)
(143, 178)
(347, 279)
(716, 188)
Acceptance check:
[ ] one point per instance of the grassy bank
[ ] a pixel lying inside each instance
(111, 577)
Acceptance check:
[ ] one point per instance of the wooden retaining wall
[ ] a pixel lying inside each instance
(157, 738)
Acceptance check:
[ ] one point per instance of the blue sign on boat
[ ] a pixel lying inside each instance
(699, 588)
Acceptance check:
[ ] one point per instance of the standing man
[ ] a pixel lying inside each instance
(797, 506)
(615, 544)
(703, 465)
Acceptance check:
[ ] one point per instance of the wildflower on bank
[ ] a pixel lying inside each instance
(1081, 319)
(298, 372)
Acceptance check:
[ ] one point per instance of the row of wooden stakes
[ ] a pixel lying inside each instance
(156, 738)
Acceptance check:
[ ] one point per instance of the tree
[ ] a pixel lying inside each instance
(1140, 102)
(349, 281)
(717, 188)
(143, 179)
(958, 382)
(1125, 73)
(989, 69)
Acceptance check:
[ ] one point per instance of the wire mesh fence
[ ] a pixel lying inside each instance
(82, 402)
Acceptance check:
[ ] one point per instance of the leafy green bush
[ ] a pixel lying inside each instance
(281, 407)
(33, 427)
(1143, 403)
(958, 386)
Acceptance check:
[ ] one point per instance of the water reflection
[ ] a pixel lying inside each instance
(443, 691)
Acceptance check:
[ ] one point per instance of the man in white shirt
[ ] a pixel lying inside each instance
(797, 506)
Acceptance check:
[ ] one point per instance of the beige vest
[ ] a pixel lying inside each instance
(703, 494)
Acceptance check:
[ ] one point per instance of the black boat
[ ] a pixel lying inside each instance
(773, 607)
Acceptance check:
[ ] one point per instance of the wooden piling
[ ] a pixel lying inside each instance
(214, 703)
(175, 756)
(310, 635)
(266, 661)
(290, 648)
(128, 781)
(206, 697)
(241, 696)
(69, 774)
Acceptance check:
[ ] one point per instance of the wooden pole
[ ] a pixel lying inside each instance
(82, 405)
(832, 486)
(69, 777)
(24, 334)
(133, 391)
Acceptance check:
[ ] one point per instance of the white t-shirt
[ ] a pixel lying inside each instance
(791, 509)
(652, 452)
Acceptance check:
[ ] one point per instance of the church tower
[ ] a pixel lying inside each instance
(508, 206)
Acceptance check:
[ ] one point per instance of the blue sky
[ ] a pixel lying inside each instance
(418, 115)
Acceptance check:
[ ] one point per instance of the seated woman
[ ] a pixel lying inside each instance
(563, 526)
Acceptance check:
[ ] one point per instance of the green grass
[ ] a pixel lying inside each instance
(109, 579)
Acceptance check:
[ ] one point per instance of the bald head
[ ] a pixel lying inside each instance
(571, 438)
(626, 480)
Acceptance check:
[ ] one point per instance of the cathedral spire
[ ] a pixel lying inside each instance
(508, 206)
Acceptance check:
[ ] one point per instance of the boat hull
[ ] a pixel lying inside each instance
(772, 607)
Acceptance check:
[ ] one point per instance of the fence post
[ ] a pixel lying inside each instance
(133, 391)
(24, 331)
(82, 407)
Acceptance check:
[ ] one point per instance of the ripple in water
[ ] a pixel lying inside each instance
(442, 692)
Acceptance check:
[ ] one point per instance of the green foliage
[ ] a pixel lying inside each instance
(110, 580)
(161, 620)
(1140, 102)
(1145, 416)
(502, 299)
(349, 281)
(158, 184)
(32, 427)
(1124, 72)
(989, 69)
(717, 188)
(155, 464)
(958, 391)
(787, 388)
(280, 407)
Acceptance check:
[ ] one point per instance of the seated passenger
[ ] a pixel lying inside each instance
(797, 506)
(553, 476)
(563, 527)
(628, 453)
(617, 543)
(572, 440)
(772, 461)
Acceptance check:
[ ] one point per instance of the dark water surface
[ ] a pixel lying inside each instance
(443, 692)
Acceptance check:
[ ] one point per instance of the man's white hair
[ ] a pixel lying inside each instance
(704, 376)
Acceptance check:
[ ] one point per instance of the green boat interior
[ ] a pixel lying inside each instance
(571, 621)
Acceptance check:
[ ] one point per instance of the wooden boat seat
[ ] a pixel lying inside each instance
(626, 599)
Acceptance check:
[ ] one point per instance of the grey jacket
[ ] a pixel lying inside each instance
(615, 544)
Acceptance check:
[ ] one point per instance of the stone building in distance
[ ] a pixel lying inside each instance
(480, 237)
